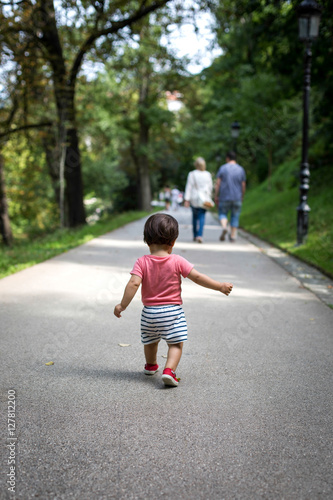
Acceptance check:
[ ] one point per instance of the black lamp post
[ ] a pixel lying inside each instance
(235, 127)
(308, 18)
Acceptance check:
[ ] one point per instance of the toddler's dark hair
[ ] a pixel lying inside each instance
(160, 229)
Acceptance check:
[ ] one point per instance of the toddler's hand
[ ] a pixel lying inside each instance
(118, 310)
(226, 288)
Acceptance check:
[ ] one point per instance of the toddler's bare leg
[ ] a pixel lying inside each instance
(174, 355)
(150, 351)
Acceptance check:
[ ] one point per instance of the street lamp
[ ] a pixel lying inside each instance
(235, 128)
(308, 22)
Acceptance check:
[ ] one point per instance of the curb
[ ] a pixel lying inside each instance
(309, 277)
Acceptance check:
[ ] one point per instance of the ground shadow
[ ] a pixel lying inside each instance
(116, 375)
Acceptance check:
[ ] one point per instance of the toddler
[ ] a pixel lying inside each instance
(160, 276)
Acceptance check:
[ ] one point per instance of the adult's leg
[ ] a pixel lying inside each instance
(233, 232)
(150, 351)
(234, 220)
(174, 355)
(201, 220)
(223, 217)
(195, 221)
(224, 222)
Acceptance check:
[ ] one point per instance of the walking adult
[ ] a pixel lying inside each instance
(175, 198)
(229, 193)
(199, 185)
(167, 197)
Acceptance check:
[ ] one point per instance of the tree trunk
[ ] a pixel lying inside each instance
(52, 161)
(75, 211)
(144, 185)
(64, 90)
(73, 177)
(5, 228)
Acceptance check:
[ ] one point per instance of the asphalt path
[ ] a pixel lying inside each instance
(250, 419)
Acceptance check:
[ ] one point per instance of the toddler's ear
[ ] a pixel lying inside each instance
(171, 247)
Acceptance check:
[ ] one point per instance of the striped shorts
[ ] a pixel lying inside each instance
(163, 322)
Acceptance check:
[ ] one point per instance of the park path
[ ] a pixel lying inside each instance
(250, 419)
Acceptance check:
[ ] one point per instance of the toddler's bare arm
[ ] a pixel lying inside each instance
(207, 282)
(130, 290)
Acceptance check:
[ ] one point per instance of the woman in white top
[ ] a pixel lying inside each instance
(198, 186)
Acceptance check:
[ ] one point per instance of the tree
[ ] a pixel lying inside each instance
(5, 227)
(149, 113)
(63, 38)
(8, 115)
(247, 84)
(262, 37)
(137, 81)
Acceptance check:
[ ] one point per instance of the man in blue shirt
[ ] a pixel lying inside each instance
(229, 193)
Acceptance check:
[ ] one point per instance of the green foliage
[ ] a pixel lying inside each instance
(32, 207)
(125, 122)
(272, 214)
(262, 37)
(258, 81)
(61, 34)
(101, 138)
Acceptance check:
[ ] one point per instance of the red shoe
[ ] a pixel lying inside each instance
(169, 377)
(150, 369)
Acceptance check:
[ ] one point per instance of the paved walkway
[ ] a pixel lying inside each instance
(250, 419)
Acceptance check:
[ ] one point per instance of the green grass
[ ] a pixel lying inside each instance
(28, 253)
(272, 215)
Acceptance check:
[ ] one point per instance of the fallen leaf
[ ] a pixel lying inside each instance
(49, 363)
(311, 319)
(124, 345)
(329, 286)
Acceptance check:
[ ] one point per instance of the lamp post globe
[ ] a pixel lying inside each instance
(235, 128)
(309, 13)
(308, 22)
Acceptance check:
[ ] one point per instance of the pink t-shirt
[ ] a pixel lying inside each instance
(161, 278)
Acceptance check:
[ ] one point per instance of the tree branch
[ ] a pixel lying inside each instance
(12, 112)
(116, 26)
(25, 127)
(10, 3)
